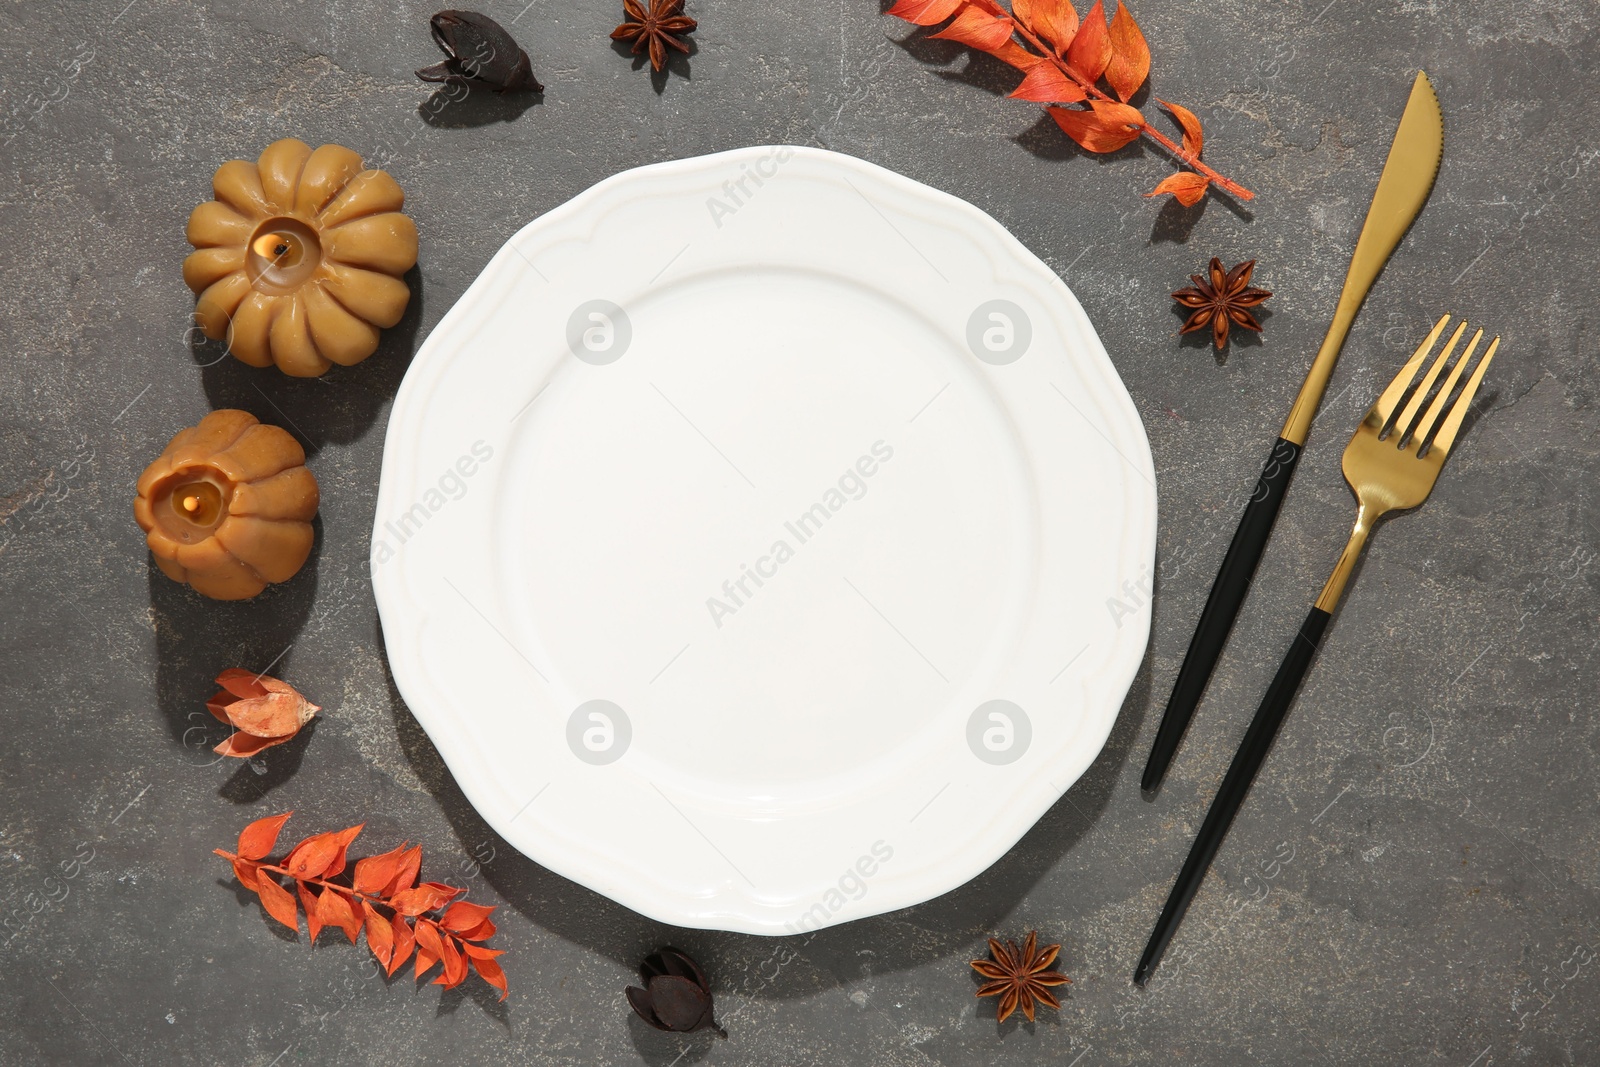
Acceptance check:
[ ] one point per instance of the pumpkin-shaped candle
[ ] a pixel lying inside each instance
(298, 260)
(227, 506)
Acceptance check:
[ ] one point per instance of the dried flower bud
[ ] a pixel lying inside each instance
(263, 710)
(478, 49)
(676, 997)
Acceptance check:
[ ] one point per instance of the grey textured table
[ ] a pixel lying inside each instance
(1431, 803)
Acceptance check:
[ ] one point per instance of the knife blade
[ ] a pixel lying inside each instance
(1403, 187)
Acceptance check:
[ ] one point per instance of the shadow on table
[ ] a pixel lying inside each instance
(1045, 140)
(1175, 222)
(677, 62)
(198, 638)
(339, 407)
(768, 968)
(452, 108)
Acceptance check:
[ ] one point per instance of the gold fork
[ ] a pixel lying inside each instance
(1391, 464)
(1385, 461)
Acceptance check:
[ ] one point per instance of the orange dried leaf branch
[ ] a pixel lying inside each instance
(425, 920)
(1064, 61)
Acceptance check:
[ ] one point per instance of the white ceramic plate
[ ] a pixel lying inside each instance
(763, 540)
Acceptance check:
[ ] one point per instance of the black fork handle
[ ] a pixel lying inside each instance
(1230, 797)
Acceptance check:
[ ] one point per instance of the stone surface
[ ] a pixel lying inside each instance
(1416, 878)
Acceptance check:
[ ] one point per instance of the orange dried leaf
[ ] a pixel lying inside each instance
(245, 871)
(405, 939)
(490, 972)
(410, 902)
(241, 683)
(1130, 55)
(977, 28)
(1047, 85)
(991, 7)
(272, 715)
(925, 12)
(245, 745)
(257, 839)
(314, 921)
(1105, 127)
(334, 909)
(1017, 56)
(1091, 46)
(429, 948)
(1193, 138)
(277, 685)
(279, 904)
(1186, 187)
(425, 897)
(1055, 21)
(217, 705)
(380, 936)
(374, 873)
(405, 874)
(478, 952)
(342, 838)
(310, 858)
(446, 892)
(463, 916)
(455, 964)
(482, 932)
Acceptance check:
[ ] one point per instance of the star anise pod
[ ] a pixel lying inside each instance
(1222, 301)
(659, 27)
(1020, 978)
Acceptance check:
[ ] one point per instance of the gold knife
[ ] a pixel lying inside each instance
(1407, 178)
(1403, 187)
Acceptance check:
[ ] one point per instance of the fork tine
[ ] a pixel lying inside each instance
(1431, 418)
(1407, 418)
(1458, 411)
(1384, 406)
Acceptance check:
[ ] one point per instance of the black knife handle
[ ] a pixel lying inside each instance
(1222, 606)
(1230, 797)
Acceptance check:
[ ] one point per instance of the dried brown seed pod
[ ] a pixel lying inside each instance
(478, 49)
(676, 997)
